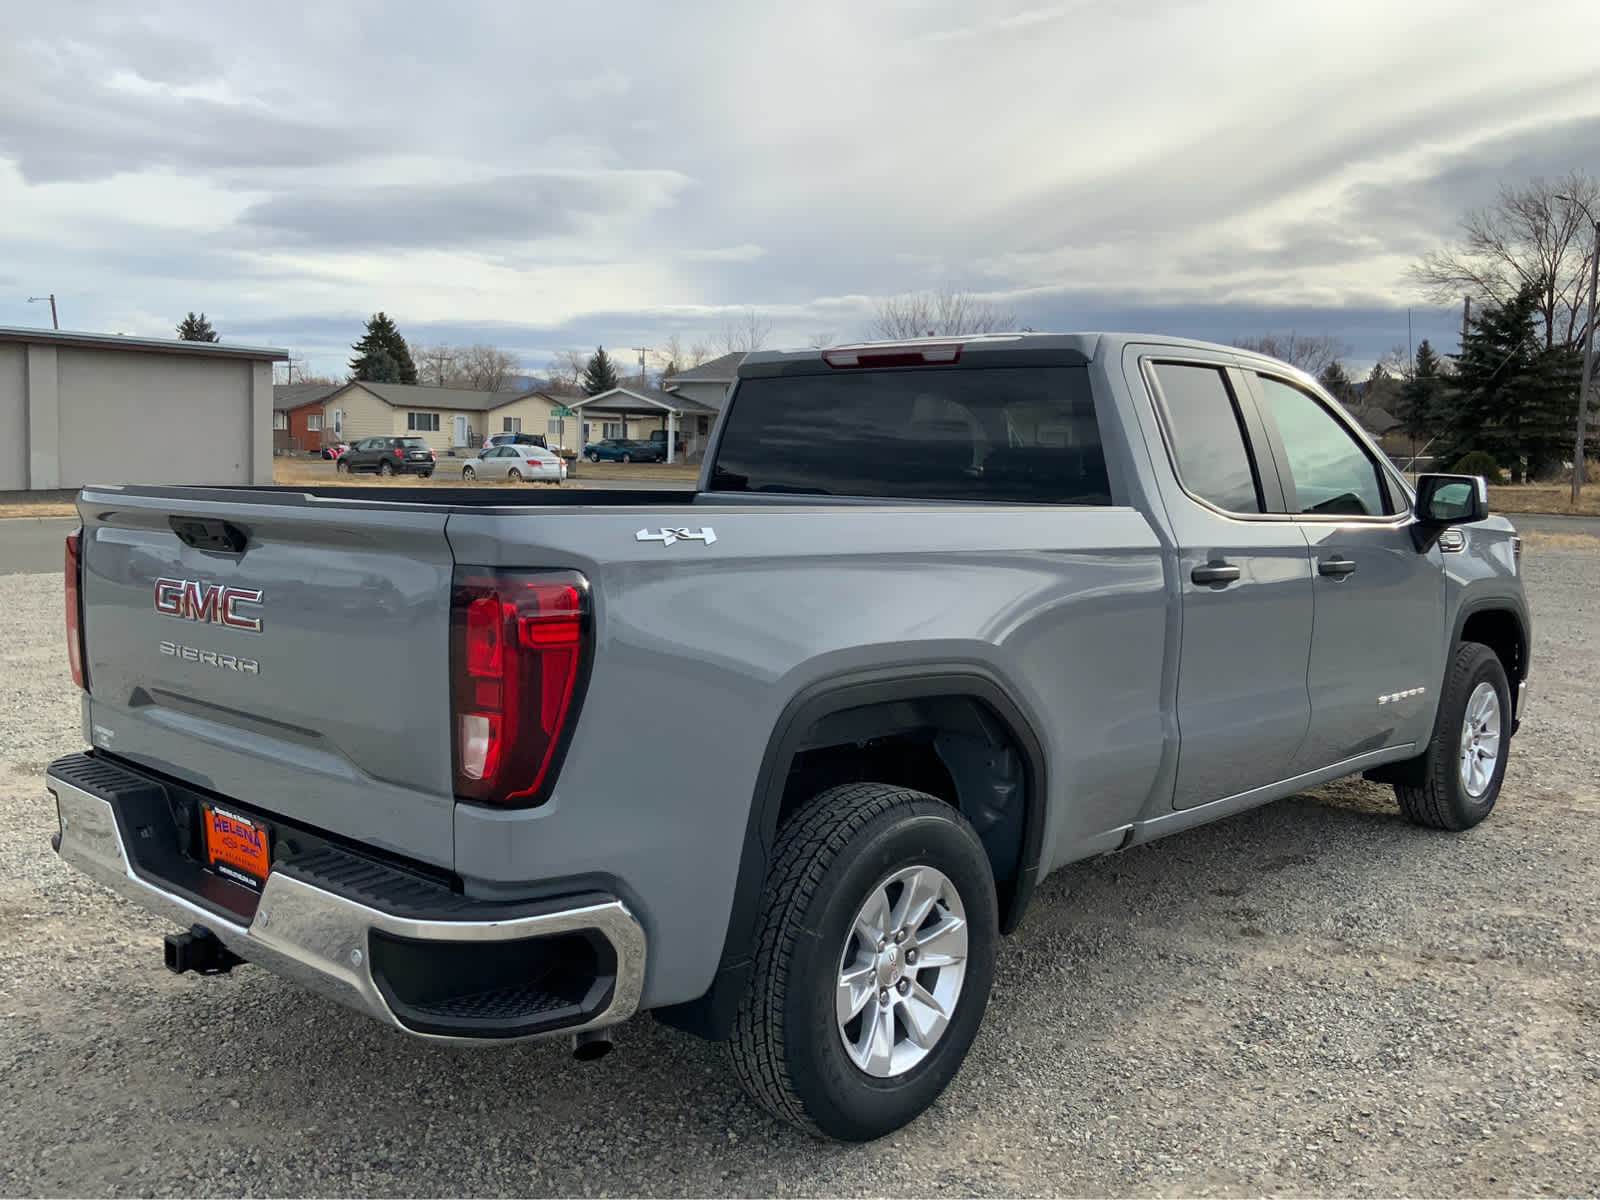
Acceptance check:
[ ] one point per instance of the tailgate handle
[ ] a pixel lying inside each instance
(209, 533)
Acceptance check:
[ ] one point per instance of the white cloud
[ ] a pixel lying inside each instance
(473, 164)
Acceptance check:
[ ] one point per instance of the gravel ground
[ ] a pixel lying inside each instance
(1313, 998)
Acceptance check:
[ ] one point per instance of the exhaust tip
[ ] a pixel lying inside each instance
(591, 1046)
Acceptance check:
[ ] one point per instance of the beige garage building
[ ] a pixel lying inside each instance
(79, 408)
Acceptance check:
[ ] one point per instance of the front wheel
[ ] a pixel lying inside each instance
(627, 458)
(468, 474)
(1457, 779)
(594, 457)
(874, 958)
(385, 468)
(342, 467)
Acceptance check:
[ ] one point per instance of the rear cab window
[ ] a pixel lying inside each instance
(1018, 435)
(1206, 435)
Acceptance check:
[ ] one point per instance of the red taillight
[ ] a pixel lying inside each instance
(74, 580)
(911, 355)
(519, 657)
(399, 453)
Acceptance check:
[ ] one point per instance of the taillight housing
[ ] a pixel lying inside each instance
(521, 642)
(74, 590)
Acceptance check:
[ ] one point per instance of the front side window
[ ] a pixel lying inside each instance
(1015, 435)
(1207, 436)
(1332, 473)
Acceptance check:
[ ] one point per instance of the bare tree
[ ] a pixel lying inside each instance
(1312, 353)
(486, 369)
(749, 331)
(437, 365)
(821, 341)
(946, 313)
(698, 353)
(1532, 234)
(296, 371)
(566, 372)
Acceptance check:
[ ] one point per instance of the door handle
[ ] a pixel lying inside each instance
(1215, 572)
(1337, 567)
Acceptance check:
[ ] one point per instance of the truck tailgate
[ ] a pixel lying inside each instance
(324, 700)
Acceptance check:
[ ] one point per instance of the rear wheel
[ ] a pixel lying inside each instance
(627, 458)
(874, 959)
(468, 473)
(1458, 777)
(514, 475)
(385, 468)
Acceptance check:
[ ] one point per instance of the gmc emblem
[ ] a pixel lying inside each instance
(209, 604)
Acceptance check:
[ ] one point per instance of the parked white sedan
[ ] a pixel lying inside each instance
(515, 463)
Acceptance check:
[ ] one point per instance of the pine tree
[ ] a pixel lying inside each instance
(196, 329)
(1422, 395)
(599, 375)
(1337, 382)
(382, 341)
(1516, 398)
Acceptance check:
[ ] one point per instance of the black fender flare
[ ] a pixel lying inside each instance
(711, 1015)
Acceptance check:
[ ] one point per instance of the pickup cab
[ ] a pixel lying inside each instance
(780, 759)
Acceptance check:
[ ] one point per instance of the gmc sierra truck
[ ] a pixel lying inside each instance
(782, 758)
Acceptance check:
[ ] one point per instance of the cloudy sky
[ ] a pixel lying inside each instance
(544, 176)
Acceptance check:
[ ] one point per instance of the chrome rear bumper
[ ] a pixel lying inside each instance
(322, 940)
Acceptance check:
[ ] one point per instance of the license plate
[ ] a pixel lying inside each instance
(236, 847)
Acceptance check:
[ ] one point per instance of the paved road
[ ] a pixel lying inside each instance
(29, 544)
(1550, 523)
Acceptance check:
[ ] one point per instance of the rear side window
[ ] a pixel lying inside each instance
(1018, 435)
(1208, 443)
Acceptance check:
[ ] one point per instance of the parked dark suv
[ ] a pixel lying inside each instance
(389, 456)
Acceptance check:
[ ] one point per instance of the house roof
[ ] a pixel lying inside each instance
(640, 399)
(1376, 421)
(719, 370)
(296, 395)
(413, 395)
(116, 341)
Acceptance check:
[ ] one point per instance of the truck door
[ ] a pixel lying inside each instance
(1377, 650)
(1244, 579)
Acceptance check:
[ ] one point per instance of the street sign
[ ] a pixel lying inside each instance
(561, 410)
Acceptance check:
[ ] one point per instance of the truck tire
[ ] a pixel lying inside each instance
(874, 957)
(1462, 769)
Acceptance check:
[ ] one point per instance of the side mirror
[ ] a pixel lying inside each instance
(1445, 500)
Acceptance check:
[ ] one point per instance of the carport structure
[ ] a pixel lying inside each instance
(626, 404)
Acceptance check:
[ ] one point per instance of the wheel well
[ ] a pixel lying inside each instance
(952, 747)
(1499, 629)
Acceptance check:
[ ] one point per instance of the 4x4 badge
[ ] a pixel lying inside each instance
(667, 536)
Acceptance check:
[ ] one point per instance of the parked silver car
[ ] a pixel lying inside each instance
(515, 462)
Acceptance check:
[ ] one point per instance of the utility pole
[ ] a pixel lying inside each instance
(1588, 369)
(1466, 319)
(1588, 353)
(54, 323)
(643, 380)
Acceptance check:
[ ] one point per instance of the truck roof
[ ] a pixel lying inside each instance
(1088, 345)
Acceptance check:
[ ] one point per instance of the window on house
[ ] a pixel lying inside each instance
(554, 430)
(313, 422)
(611, 429)
(511, 425)
(702, 425)
(422, 422)
(280, 420)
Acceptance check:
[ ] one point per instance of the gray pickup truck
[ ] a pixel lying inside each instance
(782, 758)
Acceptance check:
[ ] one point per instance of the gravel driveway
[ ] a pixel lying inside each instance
(1312, 998)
